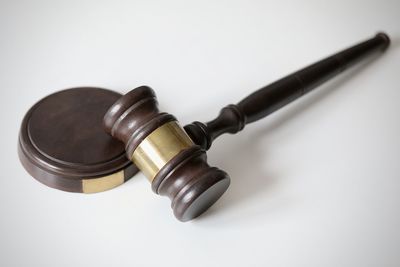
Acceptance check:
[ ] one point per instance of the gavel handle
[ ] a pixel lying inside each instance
(270, 98)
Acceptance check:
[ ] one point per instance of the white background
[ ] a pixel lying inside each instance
(315, 184)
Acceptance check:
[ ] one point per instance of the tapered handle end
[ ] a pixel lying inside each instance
(385, 38)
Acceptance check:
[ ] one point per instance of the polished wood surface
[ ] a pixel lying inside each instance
(63, 145)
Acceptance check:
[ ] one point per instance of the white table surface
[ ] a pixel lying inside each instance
(315, 184)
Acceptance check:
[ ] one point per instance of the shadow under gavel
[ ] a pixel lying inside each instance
(174, 158)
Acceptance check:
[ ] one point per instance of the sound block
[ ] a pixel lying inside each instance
(62, 143)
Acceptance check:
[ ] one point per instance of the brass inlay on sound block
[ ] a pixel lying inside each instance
(159, 147)
(103, 183)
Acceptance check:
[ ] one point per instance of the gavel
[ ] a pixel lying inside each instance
(174, 158)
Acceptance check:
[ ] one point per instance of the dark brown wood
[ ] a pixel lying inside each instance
(268, 99)
(187, 179)
(62, 140)
(190, 183)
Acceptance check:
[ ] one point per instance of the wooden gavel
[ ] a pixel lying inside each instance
(174, 158)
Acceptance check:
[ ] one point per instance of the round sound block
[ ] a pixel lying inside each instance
(63, 145)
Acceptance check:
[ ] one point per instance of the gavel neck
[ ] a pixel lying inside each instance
(231, 119)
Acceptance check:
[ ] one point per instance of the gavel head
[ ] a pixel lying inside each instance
(161, 149)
